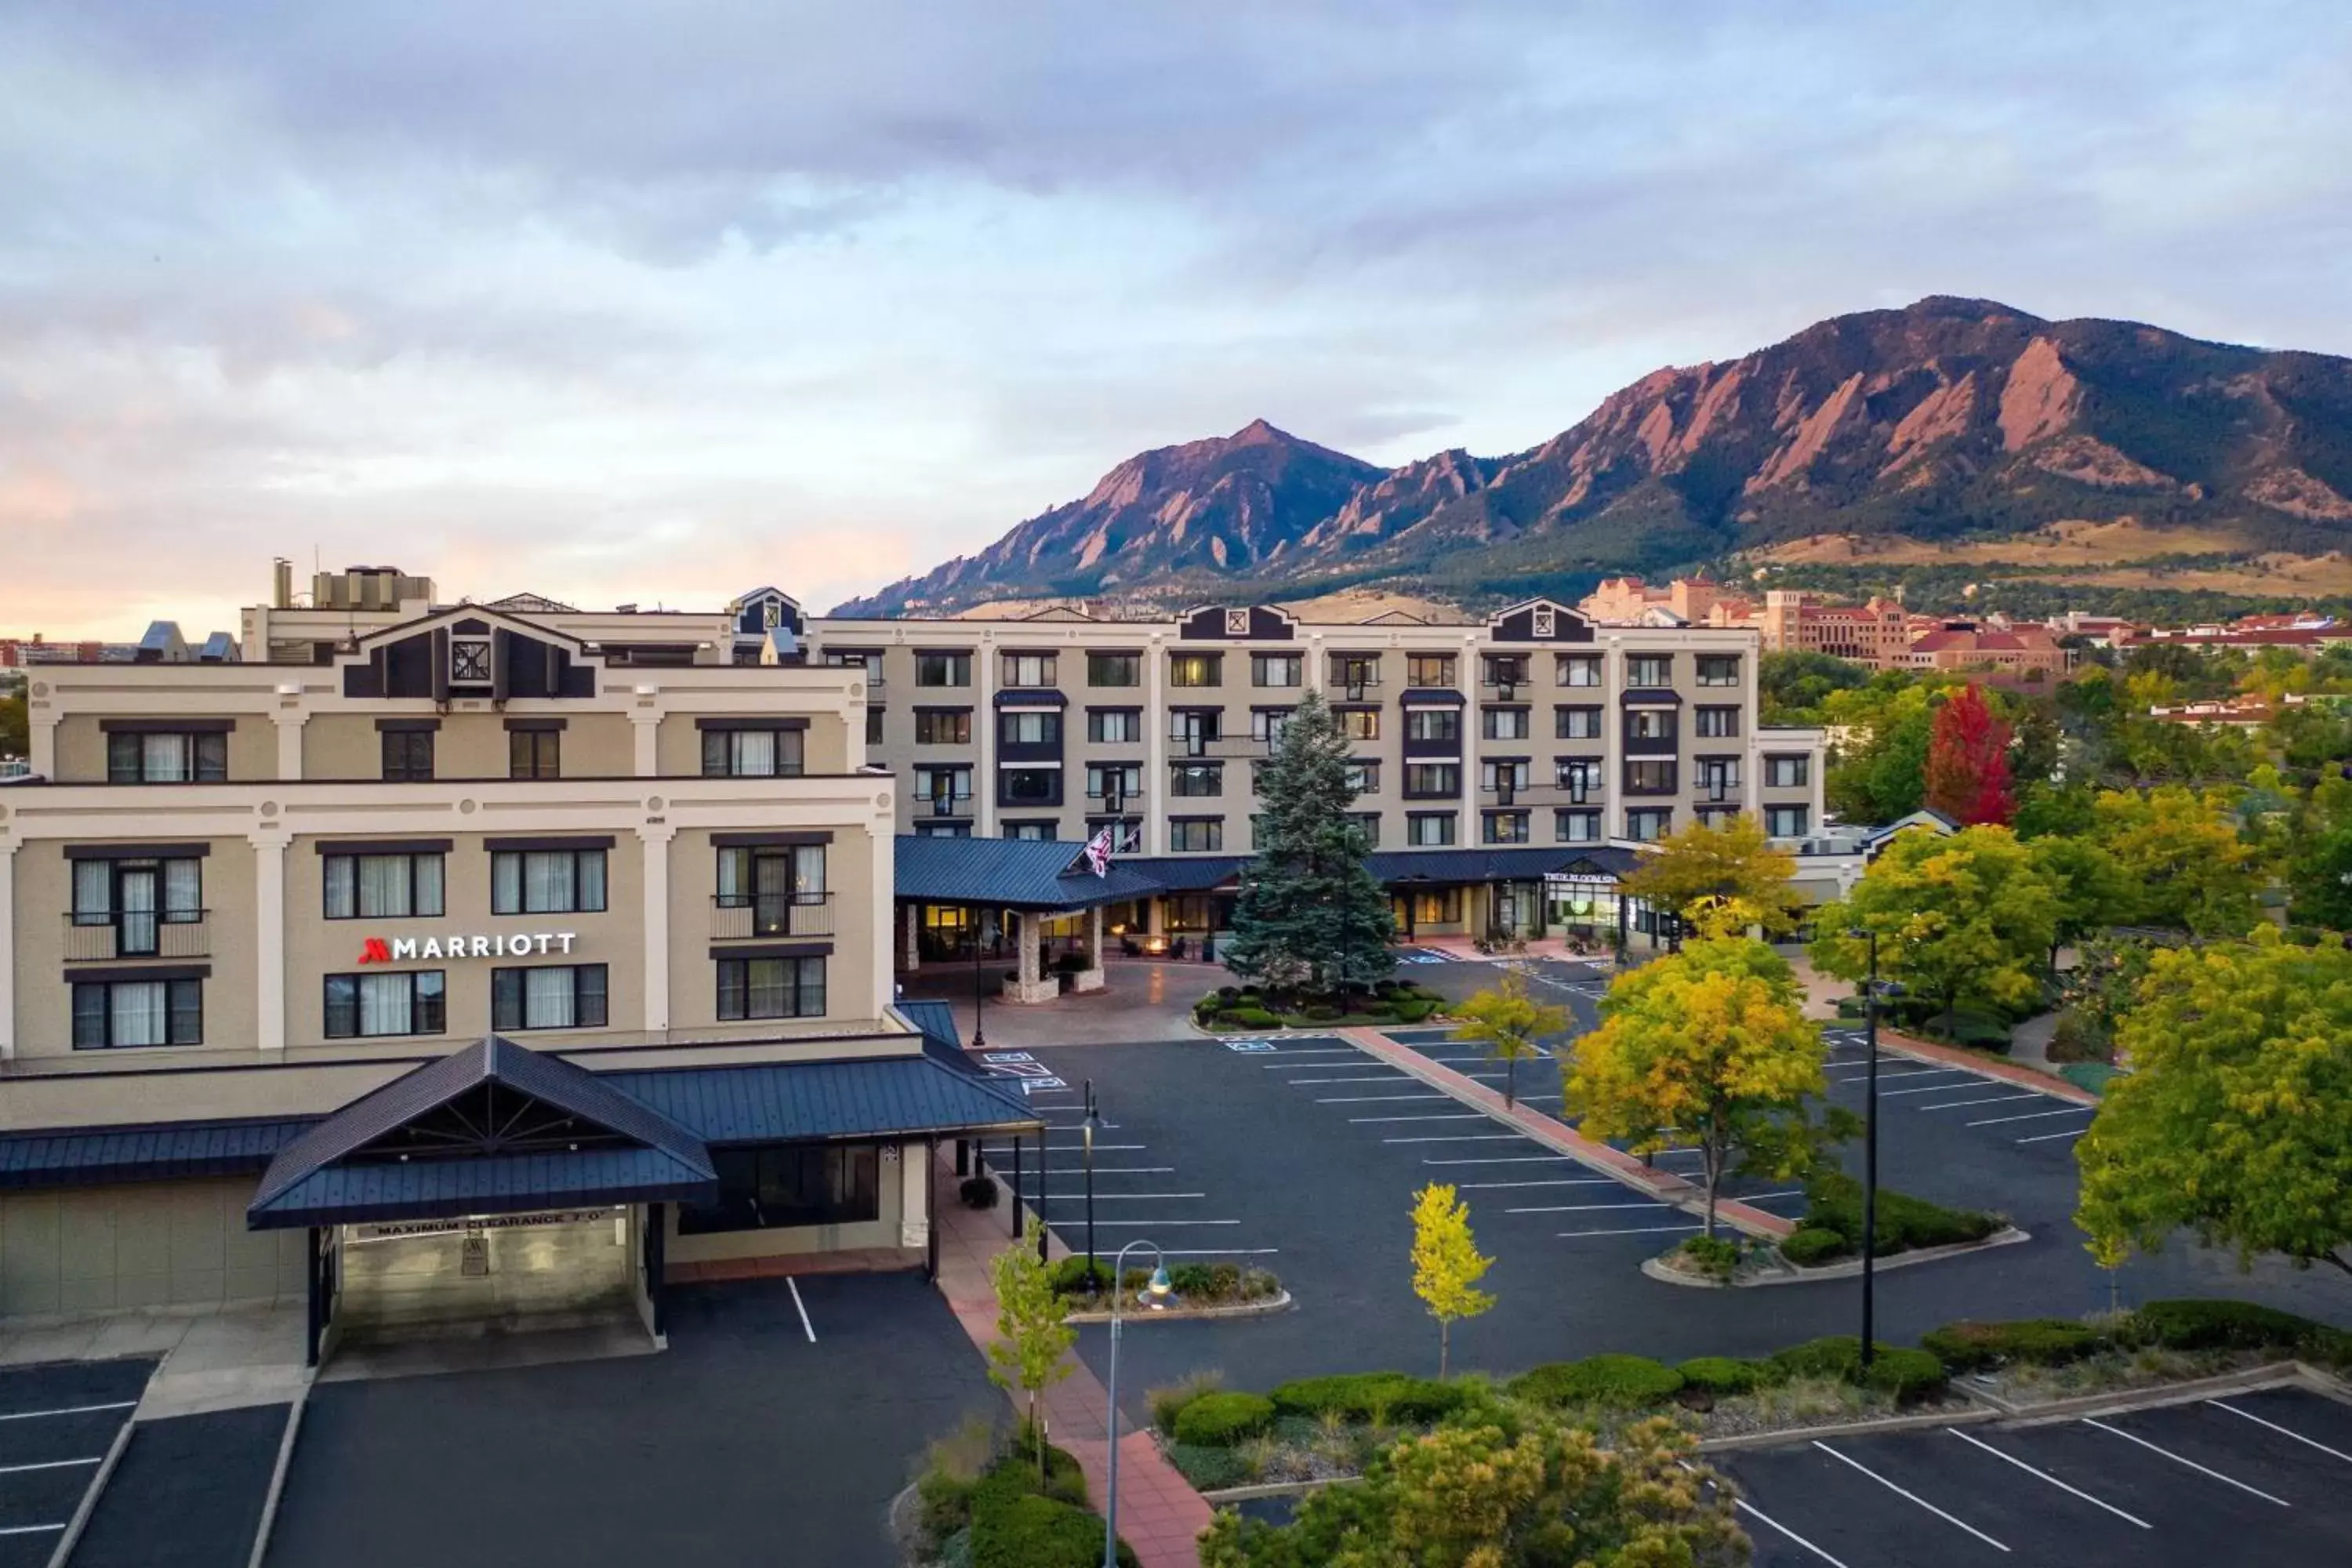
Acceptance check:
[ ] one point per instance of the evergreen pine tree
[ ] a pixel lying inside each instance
(1310, 916)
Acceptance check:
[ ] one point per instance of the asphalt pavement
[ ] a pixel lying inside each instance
(57, 1423)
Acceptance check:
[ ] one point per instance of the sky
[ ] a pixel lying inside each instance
(657, 303)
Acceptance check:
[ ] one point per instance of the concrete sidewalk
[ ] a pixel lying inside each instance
(212, 1360)
(1159, 1514)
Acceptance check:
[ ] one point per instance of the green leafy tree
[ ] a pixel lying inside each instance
(1446, 1263)
(2318, 853)
(16, 728)
(1708, 1049)
(1881, 776)
(1310, 916)
(2087, 888)
(2179, 853)
(2235, 1121)
(1538, 1493)
(1968, 918)
(1791, 686)
(1032, 1347)
(1510, 1024)
(1720, 878)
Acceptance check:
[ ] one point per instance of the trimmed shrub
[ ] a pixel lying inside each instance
(1909, 1375)
(1723, 1375)
(1628, 1380)
(1377, 1397)
(1039, 1533)
(1070, 1277)
(1966, 1346)
(1716, 1257)
(1257, 1283)
(2197, 1325)
(1323, 1012)
(1837, 1356)
(1904, 1221)
(1192, 1279)
(1812, 1244)
(977, 1192)
(1414, 1011)
(1253, 1018)
(1168, 1401)
(1207, 1468)
(1225, 1279)
(1222, 1419)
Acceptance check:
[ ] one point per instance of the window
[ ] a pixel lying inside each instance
(534, 753)
(1503, 668)
(752, 753)
(1027, 668)
(1114, 726)
(1580, 777)
(1114, 781)
(1576, 724)
(1266, 725)
(1787, 821)
(1364, 778)
(1718, 670)
(1440, 908)
(1504, 723)
(1354, 672)
(943, 726)
(1189, 833)
(868, 660)
(137, 899)
(469, 661)
(1192, 730)
(125, 1013)
(1649, 723)
(778, 1188)
(175, 758)
(1645, 823)
(770, 988)
(942, 670)
(1030, 728)
(1369, 823)
(1029, 787)
(1196, 780)
(1577, 669)
(1429, 669)
(942, 829)
(1126, 832)
(382, 887)
(1428, 829)
(942, 791)
(364, 1006)
(1650, 669)
(1195, 669)
(1788, 773)
(1277, 669)
(553, 996)
(774, 882)
(1431, 724)
(1576, 827)
(1718, 724)
(1504, 827)
(1114, 670)
(547, 881)
(1649, 776)
(407, 755)
(1500, 774)
(1432, 781)
(1717, 816)
(874, 726)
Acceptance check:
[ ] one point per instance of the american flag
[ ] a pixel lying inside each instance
(1099, 853)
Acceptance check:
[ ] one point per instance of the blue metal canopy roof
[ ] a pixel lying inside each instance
(862, 1097)
(1010, 873)
(428, 1189)
(76, 1156)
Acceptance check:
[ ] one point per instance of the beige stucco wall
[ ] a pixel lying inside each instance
(468, 746)
(117, 1248)
(677, 744)
(81, 744)
(850, 971)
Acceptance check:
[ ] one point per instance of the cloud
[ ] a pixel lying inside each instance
(618, 302)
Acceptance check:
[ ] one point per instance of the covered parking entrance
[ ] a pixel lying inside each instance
(543, 1268)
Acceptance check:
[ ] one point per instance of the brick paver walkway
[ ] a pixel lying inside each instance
(1554, 1133)
(1983, 1066)
(1159, 1514)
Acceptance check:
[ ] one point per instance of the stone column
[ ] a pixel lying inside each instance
(43, 735)
(1030, 985)
(289, 744)
(984, 737)
(914, 1196)
(7, 952)
(654, 846)
(1090, 978)
(914, 939)
(1613, 741)
(269, 939)
(644, 734)
(881, 889)
(1155, 756)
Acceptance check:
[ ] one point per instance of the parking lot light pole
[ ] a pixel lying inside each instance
(1871, 991)
(1087, 1137)
(1155, 1296)
(978, 987)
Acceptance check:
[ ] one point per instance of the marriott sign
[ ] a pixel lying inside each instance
(409, 948)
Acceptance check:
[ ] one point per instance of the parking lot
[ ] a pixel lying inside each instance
(56, 1425)
(187, 1493)
(2251, 1477)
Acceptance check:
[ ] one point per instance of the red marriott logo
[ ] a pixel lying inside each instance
(375, 949)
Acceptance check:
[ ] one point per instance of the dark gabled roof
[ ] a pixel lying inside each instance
(859, 1097)
(1432, 697)
(1010, 873)
(76, 1156)
(506, 1184)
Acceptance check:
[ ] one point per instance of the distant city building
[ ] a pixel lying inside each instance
(2022, 650)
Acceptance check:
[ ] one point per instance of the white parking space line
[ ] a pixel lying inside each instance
(1908, 1495)
(1373, 1098)
(806, 1327)
(1981, 1100)
(2046, 1137)
(2032, 1116)
(2054, 1481)
(1454, 1116)
(51, 1465)
(1555, 1182)
(1930, 1089)
(69, 1410)
(1636, 1230)
(1585, 1208)
(32, 1529)
(1859, 1072)
(1288, 1066)
(1492, 1160)
(1398, 1076)
(1466, 1138)
(1745, 1507)
(2249, 1416)
(2128, 1437)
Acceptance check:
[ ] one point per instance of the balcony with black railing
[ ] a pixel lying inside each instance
(125, 934)
(943, 807)
(744, 917)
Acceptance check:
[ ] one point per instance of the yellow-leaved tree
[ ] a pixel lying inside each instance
(1720, 879)
(1446, 1263)
(1707, 1049)
(1509, 1023)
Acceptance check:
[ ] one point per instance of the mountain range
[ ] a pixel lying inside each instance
(1953, 428)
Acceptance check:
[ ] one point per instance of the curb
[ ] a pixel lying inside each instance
(88, 1504)
(2116, 1402)
(1969, 1417)
(1851, 1267)
(1278, 1302)
(1225, 1495)
(276, 1492)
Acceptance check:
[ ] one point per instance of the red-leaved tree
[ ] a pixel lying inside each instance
(1968, 763)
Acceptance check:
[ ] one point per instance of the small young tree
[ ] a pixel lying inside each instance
(1720, 878)
(1310, 916)
(1032, 1344)
(1708, 1049)
(1509, 1023)
(1446, 1263)
(1968, 761)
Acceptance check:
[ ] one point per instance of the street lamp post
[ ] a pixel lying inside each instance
(979, 987)
(1871, 991)
(1087, 1138)
(1155, 1296)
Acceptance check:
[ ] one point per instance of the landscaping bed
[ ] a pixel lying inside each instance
(2041, 1360)
(1196, 1287)
(1247, 1009)
(981, 1503)
(1830, 1230)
